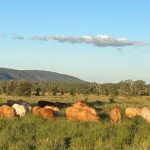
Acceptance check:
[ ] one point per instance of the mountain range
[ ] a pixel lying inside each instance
(35, 75)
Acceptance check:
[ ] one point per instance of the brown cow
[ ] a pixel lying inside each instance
(8, 112)
(82, 105)
(46, 113)
(115, 114)
(77, 114)
(55, 109)
(132, 112)
(36, 110)
(52, 107)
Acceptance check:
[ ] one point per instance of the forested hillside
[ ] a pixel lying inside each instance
(35, 75)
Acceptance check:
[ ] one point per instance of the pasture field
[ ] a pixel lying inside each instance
(33, 133)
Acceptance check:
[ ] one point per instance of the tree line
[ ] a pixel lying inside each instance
(28, 88)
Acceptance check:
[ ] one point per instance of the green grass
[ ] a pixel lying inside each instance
(33, 133)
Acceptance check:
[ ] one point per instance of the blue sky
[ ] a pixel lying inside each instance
(71, 20)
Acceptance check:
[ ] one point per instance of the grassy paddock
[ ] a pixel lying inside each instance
(31, 132)
(34, 133)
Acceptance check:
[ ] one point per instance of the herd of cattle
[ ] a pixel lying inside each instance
(79, 111)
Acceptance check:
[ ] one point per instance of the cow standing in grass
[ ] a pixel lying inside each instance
(81, 112)
(20, 110)
(45, 103)
(11, 102)
(36, 110)
(55, 104)
(20, 102)
(55, 109)
(81, 105)
(45, 113)
(26, 105)
(77, 114)
(115, 114)
(145, 113)
(132, 112)
(7, 111)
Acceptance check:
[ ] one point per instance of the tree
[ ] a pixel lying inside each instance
(72, 92)
(125, 88)
(138, 88)
(112, 90)
(38, 91)
(24, 88)
(148, 90)
(3, 87)
(11, 87)
(54, 90)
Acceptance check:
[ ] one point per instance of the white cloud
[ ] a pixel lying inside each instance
(99, 40)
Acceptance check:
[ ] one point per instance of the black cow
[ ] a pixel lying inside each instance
(55, 104)
(61, 105)
(11, 102)
(45, 103)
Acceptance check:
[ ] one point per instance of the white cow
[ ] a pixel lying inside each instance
(20, 110)
(145, 113)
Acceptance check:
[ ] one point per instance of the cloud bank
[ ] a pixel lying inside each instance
(99, 40)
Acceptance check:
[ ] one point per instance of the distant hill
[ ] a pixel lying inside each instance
(35, 75)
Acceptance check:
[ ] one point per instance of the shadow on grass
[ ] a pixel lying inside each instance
(67, 142)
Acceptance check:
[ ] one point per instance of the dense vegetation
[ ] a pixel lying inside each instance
(27, 88)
